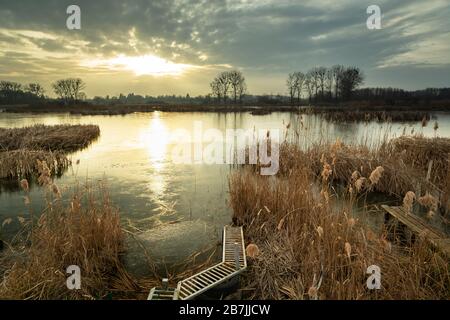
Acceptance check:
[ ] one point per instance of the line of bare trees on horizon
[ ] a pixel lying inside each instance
(70, 89)
(229, 82)
(319, 84)
(337, 83)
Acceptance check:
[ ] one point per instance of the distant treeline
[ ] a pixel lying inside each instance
(319, 86)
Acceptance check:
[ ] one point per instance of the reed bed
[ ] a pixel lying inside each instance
(85, 232)
(67, 138)
(303, 248)
(24, 163)
(22, 148)
(378, 116)
(418, 151)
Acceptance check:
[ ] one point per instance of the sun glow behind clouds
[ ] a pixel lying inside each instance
(142, 65)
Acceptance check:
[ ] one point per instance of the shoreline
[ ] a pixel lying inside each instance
(88, 109)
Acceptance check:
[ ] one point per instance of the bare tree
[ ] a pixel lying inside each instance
(337, 76)
(299, 83)
(224, 82)
(292, 86)
(10, 91)
(215, 88)
(35, 89)
(321, 73)
(329, 83)
(69, 89)
(352, 78)
(309, 85)
(237, 82)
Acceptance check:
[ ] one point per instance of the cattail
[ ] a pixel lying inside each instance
(326, 172)
(351, 222)
(408, 201)
(359, 184)
(376, 175)
(428, 201)
(252, 250)
(355, 175)
(24, 185)
(348, 249)
(320, 231)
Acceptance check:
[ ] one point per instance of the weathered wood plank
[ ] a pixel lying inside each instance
(421, 228)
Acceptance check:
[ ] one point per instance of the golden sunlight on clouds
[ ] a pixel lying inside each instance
(141, 65)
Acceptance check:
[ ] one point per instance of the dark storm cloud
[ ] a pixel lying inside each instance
(261, 37)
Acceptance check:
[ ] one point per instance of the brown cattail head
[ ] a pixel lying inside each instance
(348, 249)
(376, 175)
(408, 201)
(252, 250)
(24, 185)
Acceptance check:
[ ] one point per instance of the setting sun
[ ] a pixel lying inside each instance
(142, 65)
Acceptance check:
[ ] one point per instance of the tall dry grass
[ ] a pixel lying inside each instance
(310, 250)
(65, 138)
(21, 148)
(84, 230)
(24, 163)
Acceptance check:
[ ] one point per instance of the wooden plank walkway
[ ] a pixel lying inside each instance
(421, 228)
(234, 262)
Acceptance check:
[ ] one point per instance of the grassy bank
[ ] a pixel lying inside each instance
(306, 247)
(21, 149)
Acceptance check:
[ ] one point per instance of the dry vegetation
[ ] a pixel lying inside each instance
(83, 231)
(65, 138)
(379, 116)
(20, 148)
(309, 249)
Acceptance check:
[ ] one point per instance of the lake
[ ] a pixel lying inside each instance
(133, 157)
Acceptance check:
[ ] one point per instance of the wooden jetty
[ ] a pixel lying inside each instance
(234, 262)
(419, 227)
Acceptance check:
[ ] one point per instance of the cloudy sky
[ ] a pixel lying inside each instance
(177, 46)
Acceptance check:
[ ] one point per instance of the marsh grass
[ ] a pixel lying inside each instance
(67, 138)
(24, 163)
(310, 248)
(21, 148)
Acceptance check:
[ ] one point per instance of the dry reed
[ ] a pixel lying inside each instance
(308, 250)
(66, 138)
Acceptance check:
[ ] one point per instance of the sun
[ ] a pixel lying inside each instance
(142, 65)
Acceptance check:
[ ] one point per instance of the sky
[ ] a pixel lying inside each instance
(160, 47)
